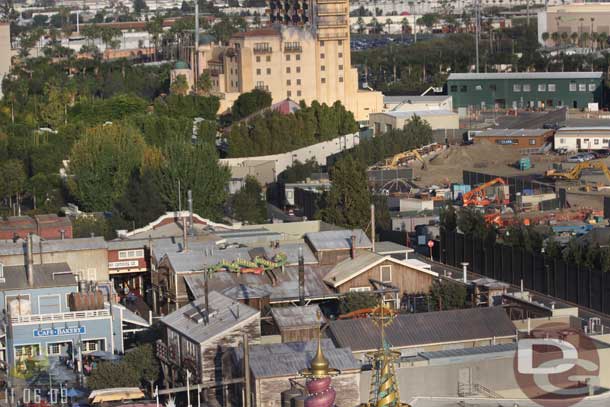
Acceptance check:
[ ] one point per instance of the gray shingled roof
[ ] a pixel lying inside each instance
(391, 247)
(225, 314)
(295, 317)
(337, 240)
(526, 75)
(411, 330)
(8, 248)
(286, 287)
(45, 276)
(123, 244)
(281, 359)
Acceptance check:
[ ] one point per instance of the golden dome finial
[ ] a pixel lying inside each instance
(319, 363)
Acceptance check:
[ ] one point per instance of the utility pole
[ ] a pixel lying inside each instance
(196, 45)
(246, 371)
(477, 24)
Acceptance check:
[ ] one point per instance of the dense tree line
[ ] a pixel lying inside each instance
(271, 132)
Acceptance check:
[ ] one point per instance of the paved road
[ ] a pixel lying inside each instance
(531, 120)
(457, 274)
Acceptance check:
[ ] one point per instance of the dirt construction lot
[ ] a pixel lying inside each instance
(490, 158)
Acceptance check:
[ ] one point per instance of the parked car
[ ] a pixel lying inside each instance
(576, 159)
(601, 153)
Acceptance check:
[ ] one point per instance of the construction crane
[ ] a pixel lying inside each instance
(575, 173)
(478, 196)
(394, 162)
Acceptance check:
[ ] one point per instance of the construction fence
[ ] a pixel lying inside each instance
(544, 274)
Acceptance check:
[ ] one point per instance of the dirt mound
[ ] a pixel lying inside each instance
(476, 156)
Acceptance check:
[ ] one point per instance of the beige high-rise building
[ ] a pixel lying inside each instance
(5, 51)
(303, 55)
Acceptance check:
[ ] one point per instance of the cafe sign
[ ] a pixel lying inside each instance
(72, 330)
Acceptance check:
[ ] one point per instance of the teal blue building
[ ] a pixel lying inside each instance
(522, 90)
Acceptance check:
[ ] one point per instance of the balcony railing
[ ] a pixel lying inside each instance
(293, 48)
(262, 87)
(60, 316)
(263, 50)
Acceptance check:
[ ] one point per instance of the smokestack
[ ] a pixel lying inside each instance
(30, 260)
(190, 202)
(373, 227)
(352, 248)
(185, 240)
(301, 278)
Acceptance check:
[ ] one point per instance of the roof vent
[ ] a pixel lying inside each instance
(199, 314)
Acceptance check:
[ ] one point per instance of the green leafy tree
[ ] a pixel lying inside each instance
(348, 201)
(102, 162)
(299, 171)
(197, 168)
(355, 301)
(139, 6)
(449, 218)
(447, 295)
(250, 102)
(144, 362)
(204, 84)
(86, 226)
(12, 180)
(383, 219)
(136, 208)
(248, 204)
(113, 374)
(180, 85)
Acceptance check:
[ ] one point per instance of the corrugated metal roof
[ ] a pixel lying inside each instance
(409, 330)
(582, 129)
(513, 133)
(45, 276)
(337, 239)
(525, 75)
(123, 244)
(293, 317)
(288, 359)
(8, 248)
(477, 351)
(286, 287)
(225, 313)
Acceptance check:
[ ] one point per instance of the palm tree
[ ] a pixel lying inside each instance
(603, 39)
(584, 39)
(388, 23)
(545, 37)
(574, 38)
(405, 25)
(360, 23)
(564, 37)
(594, 40)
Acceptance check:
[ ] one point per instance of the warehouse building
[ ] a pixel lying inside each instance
(525, 90)
(438, 120)
(582, 138)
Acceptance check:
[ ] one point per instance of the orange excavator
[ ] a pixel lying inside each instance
(478, 196)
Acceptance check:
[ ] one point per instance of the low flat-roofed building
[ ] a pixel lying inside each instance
(45, 226)
(582, 138)
(405, 103)
(517, 138)
(298, 324)
(437, 119)
(332, 246)
(411, 334)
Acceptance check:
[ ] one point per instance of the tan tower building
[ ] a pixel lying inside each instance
(303, 55)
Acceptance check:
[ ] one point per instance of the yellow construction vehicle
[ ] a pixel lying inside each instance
(574, 173)
(396, 160)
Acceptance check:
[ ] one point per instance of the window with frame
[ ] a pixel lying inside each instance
(552, 87)
(90, 346)
(323, 80)
(322, 55)
(288, 93)
(298, 69)
(287, 57)
(541, 87)
(340, 79)
(298, 57)
(453, 88)
(268, 58)
(596, 141)
(288, 82)
(298, 82)
(592, 87)
(527, 87)
(385, 274)
(516, 87)
(258, 71)
(582, 87)
(532, 141)
(573, 87)
(26, 351)
(340, 67)
(298, 93)
(131, 254)
(464, 88)
(605, 141)
(340, 42)
(321, 43)
(359, 289)
(340, 55)
(562, 141)
(260, 84)
(53, 349)
(492, 87)
(287, 69)
(322, 68)
(268, 71)
(258, 58)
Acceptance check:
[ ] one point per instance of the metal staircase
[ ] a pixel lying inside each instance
(475, 389)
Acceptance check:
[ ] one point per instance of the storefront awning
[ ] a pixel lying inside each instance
(131, 318)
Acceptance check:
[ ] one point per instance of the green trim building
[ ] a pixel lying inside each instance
(525, 89)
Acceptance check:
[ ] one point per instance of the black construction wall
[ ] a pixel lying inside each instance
(544, 274)
(516, 184)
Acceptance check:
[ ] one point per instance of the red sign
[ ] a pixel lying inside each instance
(431, 243)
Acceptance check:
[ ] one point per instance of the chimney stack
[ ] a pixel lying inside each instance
(352, 249)
(190, 202)
(185, 240)
(301, 278)
(30, 260)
